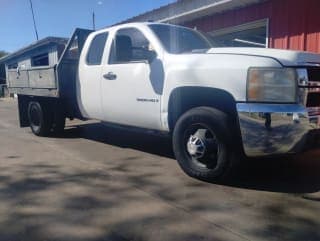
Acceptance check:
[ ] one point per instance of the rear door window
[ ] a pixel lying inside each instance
(96, 48)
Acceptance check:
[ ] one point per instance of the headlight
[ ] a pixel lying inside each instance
(272, 85)
(302, 77)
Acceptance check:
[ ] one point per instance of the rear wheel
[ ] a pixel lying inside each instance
(39, 118)
(202, 144)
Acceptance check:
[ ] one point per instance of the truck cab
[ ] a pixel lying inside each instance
(121, 67)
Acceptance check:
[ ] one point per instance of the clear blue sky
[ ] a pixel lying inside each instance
(60, 17)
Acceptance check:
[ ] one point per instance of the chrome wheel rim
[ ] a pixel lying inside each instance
(196, 147)
(202, 146)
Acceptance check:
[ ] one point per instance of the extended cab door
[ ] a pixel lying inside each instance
(131, 81)
(90, 71)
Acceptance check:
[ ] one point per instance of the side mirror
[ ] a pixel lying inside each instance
(151, 55)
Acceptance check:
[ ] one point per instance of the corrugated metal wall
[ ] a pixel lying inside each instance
(293, 24)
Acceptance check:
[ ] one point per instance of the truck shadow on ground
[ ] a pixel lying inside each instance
(54, 202)
(118, 201)
(125, 138)
(286, 174)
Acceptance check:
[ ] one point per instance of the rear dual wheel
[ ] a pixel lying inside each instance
(39, 119)
(202, 144)
(42, 119)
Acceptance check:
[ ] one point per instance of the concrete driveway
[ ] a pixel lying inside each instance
(102, 183)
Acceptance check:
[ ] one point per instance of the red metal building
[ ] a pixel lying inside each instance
(285, 24)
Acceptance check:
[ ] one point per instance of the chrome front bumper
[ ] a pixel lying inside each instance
(269, 129)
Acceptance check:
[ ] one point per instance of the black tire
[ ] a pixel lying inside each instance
(202, 144)
(39, 118)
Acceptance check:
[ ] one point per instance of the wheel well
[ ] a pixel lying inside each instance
(185, 98)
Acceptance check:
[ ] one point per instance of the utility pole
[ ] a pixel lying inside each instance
(93, 21)
(34, 21)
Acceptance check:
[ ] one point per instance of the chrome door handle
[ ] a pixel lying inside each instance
(110, 76)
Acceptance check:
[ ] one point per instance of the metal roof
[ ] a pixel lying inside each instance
(187, 10)
(37, 44)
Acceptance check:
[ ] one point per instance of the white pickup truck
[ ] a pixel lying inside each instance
(217, 103)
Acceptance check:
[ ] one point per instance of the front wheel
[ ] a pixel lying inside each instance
(202, 144)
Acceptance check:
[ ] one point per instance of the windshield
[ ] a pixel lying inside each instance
(178, 40)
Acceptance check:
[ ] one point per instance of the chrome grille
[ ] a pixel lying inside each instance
(314, 75)
(310, 91)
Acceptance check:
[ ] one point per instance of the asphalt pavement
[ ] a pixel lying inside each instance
(104, 183)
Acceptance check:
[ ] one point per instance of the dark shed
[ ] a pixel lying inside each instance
(45, 52)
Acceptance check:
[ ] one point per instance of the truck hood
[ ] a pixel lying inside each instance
(285, 57)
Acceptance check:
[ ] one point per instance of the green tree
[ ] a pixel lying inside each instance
(3, 53)
(2, 69)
